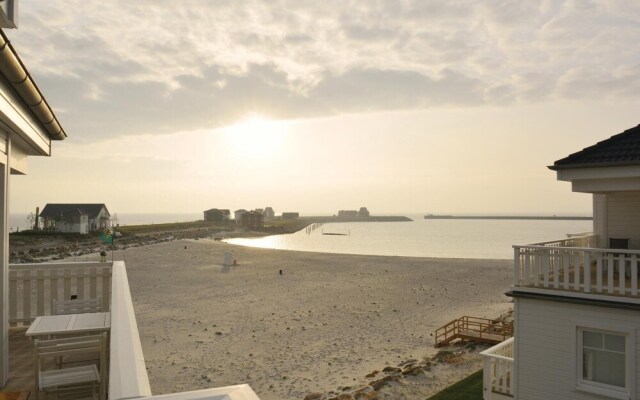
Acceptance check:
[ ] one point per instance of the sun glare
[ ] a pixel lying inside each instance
(256, 137)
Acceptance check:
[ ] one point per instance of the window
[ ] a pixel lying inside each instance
(603, 362)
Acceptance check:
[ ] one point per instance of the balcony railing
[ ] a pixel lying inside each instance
(583, 271)
(33, 287)
(498, 372)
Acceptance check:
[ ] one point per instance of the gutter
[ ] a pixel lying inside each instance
(14, 71)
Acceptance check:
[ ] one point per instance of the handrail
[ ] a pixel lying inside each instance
(482, 326)
(498, 372)
(589, 249)
(592, 271)
(128, 374)
(493, 351)
(568, 239)
(33, 287)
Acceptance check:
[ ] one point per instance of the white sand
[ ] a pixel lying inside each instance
(325, 323)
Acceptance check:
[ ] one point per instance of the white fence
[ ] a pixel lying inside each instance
(588, 270)
(498, 376)
(32, 287)
(127, 374)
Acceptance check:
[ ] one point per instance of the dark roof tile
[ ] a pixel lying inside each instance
(621, 149)
(59, 210)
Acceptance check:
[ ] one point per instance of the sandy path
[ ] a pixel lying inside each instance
(325, 323)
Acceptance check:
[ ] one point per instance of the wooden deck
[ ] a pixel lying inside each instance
(491, 331)
(21, 363)
(22, 367)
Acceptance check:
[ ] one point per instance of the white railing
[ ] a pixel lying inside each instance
(498, 372)
(33, 287)
(572, 240)
(611, 272)
(127, 372)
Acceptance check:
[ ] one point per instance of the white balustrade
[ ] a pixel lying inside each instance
(32, 287)
(498, 370)
(128, 377)
(552, 265)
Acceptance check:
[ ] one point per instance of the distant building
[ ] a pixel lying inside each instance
(75, 218)
(347, 213)
(252, 220)
(217, 215)
(290, 215)
(268, 213)
(237, 214)
(363, 212)
(259, 210)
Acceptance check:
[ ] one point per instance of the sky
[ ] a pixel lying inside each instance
(401, 106)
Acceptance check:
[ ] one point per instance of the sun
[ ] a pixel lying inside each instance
(256, 137)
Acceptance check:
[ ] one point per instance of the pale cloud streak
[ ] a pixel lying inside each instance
(121, 67)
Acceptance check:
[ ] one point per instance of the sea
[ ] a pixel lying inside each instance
(442, 238)
(445, 238)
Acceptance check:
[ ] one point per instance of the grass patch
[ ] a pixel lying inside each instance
(470, 388)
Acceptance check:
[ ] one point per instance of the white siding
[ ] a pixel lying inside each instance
(600, 219)
(546, 346)
(623, 217)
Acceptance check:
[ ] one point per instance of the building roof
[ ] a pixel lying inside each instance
(14, 71)
(619, 150)
(59, 210)
(224, 211)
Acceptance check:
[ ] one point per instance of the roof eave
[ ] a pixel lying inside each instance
(592, 165)
(25, 87)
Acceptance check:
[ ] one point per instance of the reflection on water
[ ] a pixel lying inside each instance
(454, 238)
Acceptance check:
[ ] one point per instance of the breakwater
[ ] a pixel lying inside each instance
(511, 217)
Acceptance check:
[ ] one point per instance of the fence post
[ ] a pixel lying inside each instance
(516, 265)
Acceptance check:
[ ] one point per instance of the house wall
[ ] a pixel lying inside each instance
(546, 346)
(623, 217)
(600, 218)
(81, 226)
(94, 224)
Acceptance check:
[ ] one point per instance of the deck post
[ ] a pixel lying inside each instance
(487, 375)
(5, 170)
(516, 265)
(587, 272)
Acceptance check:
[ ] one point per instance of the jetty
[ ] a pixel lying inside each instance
(512, 217)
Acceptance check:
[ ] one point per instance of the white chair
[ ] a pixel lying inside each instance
(50, 378)
(66, 307)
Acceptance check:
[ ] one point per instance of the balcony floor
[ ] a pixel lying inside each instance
(21, 362)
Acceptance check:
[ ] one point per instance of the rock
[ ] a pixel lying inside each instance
(313, 396)
(380, 383)
(413, 370)
(372, 374)
(391, 369)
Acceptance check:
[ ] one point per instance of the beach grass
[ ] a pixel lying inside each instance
(470, 388)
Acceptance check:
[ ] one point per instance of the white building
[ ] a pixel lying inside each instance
(576, 302)
(78, 218)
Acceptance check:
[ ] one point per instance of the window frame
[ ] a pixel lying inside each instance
(603, 389)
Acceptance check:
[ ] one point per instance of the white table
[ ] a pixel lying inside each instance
(69, 324)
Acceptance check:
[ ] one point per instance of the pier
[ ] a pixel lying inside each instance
(512, 217)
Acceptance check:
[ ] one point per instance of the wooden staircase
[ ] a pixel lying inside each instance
(475, 329)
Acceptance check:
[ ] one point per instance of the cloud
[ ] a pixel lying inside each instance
(119, 67)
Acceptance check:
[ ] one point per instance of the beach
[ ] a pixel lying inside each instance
(322, 325)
